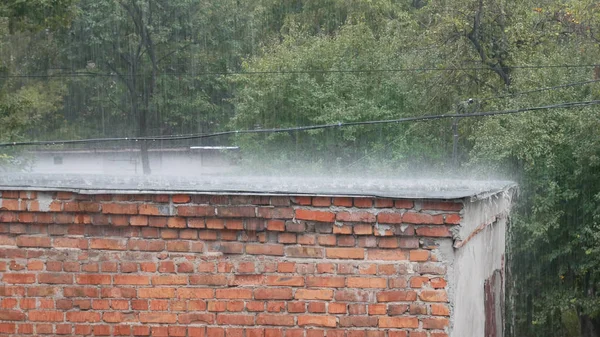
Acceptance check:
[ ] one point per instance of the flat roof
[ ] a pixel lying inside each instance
(257, 185)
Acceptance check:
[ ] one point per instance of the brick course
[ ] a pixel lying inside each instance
(199, 265)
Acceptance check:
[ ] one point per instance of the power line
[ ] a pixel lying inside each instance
(283, 72)
(305, 128)
(567, 85)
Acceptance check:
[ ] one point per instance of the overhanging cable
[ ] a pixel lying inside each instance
(306, 128)
(273, 72)
(567, 85)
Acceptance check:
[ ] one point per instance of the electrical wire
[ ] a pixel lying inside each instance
(567, 85)
(305, 128)
(272, 72)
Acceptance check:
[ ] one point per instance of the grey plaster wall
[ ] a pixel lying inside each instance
(476, 261)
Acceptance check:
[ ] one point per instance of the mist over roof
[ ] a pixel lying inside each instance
(258, 185)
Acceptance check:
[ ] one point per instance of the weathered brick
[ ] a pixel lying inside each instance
(118, 208)
(345, 253)
(434, 231)
(433, 296)
(304, 252)
(398, 322)
(316, 294)
(366, 282)
(389, 218)
(273, 294)
(355, 216)
(325, 321)
(396, 296)
(313, 215)
(279, 320)
(196, 211)
(440, 310)
(442, 206)
(437, 323)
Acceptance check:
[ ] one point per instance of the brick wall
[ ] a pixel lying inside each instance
(200, 265)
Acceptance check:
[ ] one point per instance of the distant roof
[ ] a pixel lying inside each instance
(257, 185)
(134, 150)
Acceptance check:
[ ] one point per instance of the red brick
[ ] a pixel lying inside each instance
(276, 212)
(131, 279)
(46, 316)
(18, 278)
(422, 218)
(269, 319)
(195, 318)
(293, 281)
(305, 252)
(440, 310)
(316, 294)
(70, 243)
(442, 206)
(453, 219)
(387, 254)
(311, 215)
(435, 323)
(169, 280)
(366, 282)
(433, 296)
(264, 249)
(147, 209)
(434, 231)
(345, 253)
(83, 316)
(356, 216)
(236, 211)
(321, 201)
(398, 322)
(390, 218)
(8, 217)
(255, 224)
(438, 283)
(363, 202)
(273, 294)
(10, 328)
(377, 309)
(108, 244)
(304, 201)
(325, 321)
(286, 238)
(344, 202)
(276, 225)
(325, 282)
(181, 198)
(33, 241)
(363, 229)
(396, 296)
(419, 255)
(316, 307)
(155, 317)
(342, 229)
(11, 315)
(10, 205)
(197, 211)
(358, 321)
(387, 242)
(230, 319)
(234, 293)
(55, 278)
(178, 246)
(114, 208)
(418, 281)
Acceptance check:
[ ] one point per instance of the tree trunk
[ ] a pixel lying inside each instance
(590, 327)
